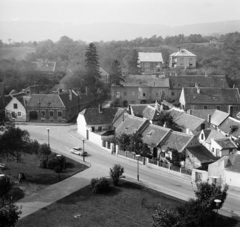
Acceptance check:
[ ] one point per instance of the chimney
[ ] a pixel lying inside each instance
(70, 94)
(187, 131)
(230, 110)
(59, 90)
(198, 88)
(233, 85)
(190, 111)
(100, 109)
(209, 118)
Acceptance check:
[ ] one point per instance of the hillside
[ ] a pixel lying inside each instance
(43, 30)
(19, 53)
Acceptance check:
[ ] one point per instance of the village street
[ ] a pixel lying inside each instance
(62, 139)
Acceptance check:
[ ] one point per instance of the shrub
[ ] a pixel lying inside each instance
(58, 169)
(100, 185)
(116, 172)
(52, 161)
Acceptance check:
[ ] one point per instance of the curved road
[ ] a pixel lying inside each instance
(62, 141)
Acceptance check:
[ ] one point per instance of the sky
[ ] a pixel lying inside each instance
(167, 12)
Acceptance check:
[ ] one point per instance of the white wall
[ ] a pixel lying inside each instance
(232, 178)
(19, 111)
(95, 138)
(82, 126)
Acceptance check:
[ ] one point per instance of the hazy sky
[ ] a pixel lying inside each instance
(169, 12)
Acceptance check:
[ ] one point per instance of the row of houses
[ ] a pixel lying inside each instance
(202, 142)
(61, 106)
(152, 62)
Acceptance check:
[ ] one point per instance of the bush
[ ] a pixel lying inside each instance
(52, 161)
(100, 185)
(58, 169)
(116, 172)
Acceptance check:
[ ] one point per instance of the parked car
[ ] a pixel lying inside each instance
(78, 151)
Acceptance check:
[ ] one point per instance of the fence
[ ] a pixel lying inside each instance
(129, 154)
(186, 171)
(164, 165)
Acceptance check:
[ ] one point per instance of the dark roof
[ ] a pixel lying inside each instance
(177, 82)
(139, 108)
(147, 81)
(229, 124)
(118, 120)
(45, 101)
(214, 134)
(151, 113)
(206, 132)
(94, 117)
(201, 113)
(225, 143)
(218, 117)
(154, 134)
(131, 125)
(234, 162)
(184, 120)
(69, 102)
(23, 100)
(202, 154)
(211, 96)
(176, 140)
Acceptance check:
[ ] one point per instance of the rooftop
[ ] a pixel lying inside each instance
(138, 109)
(213, 134)
(150, 113)
(94, 117)
(150, 57)
(202, 154)
(183, 53)
(218, 117)
(208, 95)
(231, 126)
(154, 134)
(177, 82)
(225, 143)
(201, 113)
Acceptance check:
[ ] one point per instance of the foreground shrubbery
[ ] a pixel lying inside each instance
(116, 172)
(100, 185)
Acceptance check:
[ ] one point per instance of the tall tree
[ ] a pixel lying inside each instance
(116, 73)
(133, 63)
(92, 76)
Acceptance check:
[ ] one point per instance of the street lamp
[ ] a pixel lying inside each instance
(217, 201)
(59, 178)
(137, 156)
(83, 151)
(48, 129)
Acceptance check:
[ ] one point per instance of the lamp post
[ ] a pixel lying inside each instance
(83, 151)
(137, 155)
(59, 177)
(217, 201)
(48, 129)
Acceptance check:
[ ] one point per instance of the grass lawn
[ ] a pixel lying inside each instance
(36, 177)
(122, 206)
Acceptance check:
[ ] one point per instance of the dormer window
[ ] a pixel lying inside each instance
(150, 133)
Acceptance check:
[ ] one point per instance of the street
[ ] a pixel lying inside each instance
(62, 141)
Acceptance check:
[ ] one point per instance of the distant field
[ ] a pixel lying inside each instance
(19, 53)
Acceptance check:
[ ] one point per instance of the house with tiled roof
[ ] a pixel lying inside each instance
(218, 117)
(203, 114)
(137, 109)
(150, 63)
(222, 146)
(198, 157)
(131, 125)
(207, 135)
(60, 107)
(182, 58)
(188, 123)
(224, 99)
(98, 120)
(230, 127)
(140, 89)
(226, 170)
(16, 108)
(178, 82)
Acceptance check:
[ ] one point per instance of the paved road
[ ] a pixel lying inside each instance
(61, 140)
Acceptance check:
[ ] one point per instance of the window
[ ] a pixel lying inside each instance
(99, 128)
(218, 107)
(158, 70)
(125, 93)
(15, 106)
(59, 113)
(43, 114)
(117, 94)
(144, 94)
(51, 113)
(202, 126)
(202, 136)
(205, 107)
(19, 114)
(172, 93)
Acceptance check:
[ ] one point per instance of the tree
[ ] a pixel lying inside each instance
(14, 141)
(133, 63)
(196, 212)
(123, 141)
(44, 150)
(92, 76)
(116, 172)
(116, 73)
(9, 212)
